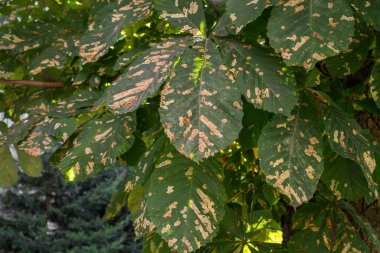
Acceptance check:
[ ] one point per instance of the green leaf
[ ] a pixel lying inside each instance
(243, 12)
(141, 220)
(74, 104)
(8, 169)
(364, 225)
(31, 165)
(145, 165)
(315, 78)
(343, 177)
(291, 153)
(305, 32)
(55, 56)
(107, 26)
(145, 76)
(20, 130)
(128, 57)
(237, 236)
(351, 59)
(368, 10)
(200, 107)
(224, 27)
(186, 201)
(47, 135)
(186, 15)
(3, 127)
(154, 243)
(374, 79)
(374, 83)
(116, 203)
(261, 76)
(100, 142)
(321, 227)
(346, 138)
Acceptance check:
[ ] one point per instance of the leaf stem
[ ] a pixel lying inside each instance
(32, 83)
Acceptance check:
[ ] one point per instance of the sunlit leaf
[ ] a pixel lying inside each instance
(198, 116)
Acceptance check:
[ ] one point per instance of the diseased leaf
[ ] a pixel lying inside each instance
(55, 56)
(128, 57)
(32, 166)
(19, 131)
(374, 79)
(145, 165)
(261, 76)
(142, 221)
(200, 107)
(186, 201)
(100, 142)
(243, 12)
(47, 135)
(107, 26)
(224, 27)
(186, 15)
(343, 177)
(74, 104)
(145, 76)
(364, 225)
(154, 243)
(305, 32)
(8, 170)
(346, 138)
(291, 153)
(323, 228)
(116, 203)
(315, 78)
(368, 10)
(374, 83)
(351, 59)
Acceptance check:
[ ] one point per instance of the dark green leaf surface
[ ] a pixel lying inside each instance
(142, 221)
(145, 164)
(351, 59)
(109, 22)
(46, 136)
(323, 228)
(116, 203)
(364, 225)
(344, 177)
(369, 10)
(145, 76)
(305, 32)
(291, 153)
(101, 141)
(374, 79)
(346, 138)
(200, 107)
(243, 12)
(186, 15)
(261, 76)
(186, 201)
(55, 56)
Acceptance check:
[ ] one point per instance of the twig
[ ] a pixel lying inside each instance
(32, 83)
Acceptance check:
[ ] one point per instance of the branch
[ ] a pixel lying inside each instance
(32, 83)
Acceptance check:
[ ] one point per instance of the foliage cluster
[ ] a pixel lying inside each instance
(232, 113)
